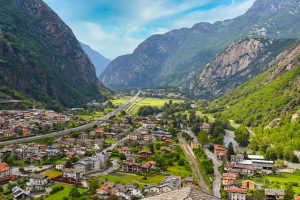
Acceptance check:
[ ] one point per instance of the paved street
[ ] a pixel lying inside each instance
(218, 177)
(229, 137)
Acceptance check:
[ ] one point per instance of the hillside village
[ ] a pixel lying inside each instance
(139, 157)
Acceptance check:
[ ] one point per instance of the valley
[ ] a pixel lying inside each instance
(192, 110)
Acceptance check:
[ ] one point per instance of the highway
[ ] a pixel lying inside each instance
(101, 121)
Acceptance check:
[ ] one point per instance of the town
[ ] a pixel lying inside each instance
(164, 151)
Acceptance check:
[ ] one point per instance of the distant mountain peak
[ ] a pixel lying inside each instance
(100, 62)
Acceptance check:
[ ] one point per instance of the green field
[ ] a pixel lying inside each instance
(64, 193)
(126, 178)
(110, 141)
(178, 171)
(51, 173)
(153, 102)
(118, 101)
(275, 181)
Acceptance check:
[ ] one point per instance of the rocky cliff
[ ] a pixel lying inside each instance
(239, 62)
(41, 58)
(172, 59)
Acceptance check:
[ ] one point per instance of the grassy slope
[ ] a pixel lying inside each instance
(256, 103)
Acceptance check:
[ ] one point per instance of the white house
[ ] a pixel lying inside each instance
(37, 182)
(74, 174)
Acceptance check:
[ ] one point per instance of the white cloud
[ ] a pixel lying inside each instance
(108, 43)
(135, 21)
(235, 9)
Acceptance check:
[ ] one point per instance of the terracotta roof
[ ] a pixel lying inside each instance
(297, 198)
(237, 190)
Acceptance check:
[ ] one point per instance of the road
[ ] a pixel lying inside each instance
(229, 137)
(218, 177)
(101, 121)
(193, 163)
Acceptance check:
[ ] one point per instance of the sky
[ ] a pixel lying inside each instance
(116, 27)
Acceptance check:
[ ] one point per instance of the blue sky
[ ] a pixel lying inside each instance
(116, 27)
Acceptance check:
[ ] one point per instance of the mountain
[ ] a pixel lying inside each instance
(175, 58)
(239, 62)
(266, 97)
(41, 58)
(99, 61)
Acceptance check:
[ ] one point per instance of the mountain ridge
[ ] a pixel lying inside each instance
(41, 57)
(173, 59)
(100, 62)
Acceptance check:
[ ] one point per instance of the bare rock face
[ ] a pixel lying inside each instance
(237, 63)
(236, 58)
(285, 61)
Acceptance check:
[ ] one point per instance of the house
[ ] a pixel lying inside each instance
(132, 166)
(20, 194)
(249, 185)
(297, 198)
(229, 177)
(169, 183)
(188, 180)
(99, 132)
(220, 151)
(263, 164)
(37, 182)
(236, 158)
(237, 194)
(100, 160)
(83, 165)
(73, 174)
(60, 166)
(105, 189)
(144, 154)
(165, 150)
(125, 150)
(273, 194)
(195, 144)
(5, 172)
(134, 191)
(240, 169)
(133, 137)
(206, 128)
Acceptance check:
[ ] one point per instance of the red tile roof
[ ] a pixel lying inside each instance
(237, 190)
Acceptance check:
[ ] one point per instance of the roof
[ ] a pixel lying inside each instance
(274, 192)
(4, 167)
(297, 198)
(38, 176)
(237, 190)
(186, 193)
(255, 157)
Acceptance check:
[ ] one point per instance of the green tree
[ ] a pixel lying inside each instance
(68, 164)
(230, 150)
(256, 194)
(74, 159)
(151, 147)
(289, 192)
(202, 137)
(74, 192)
(242, 136)
(122, 156)
(271, 154)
